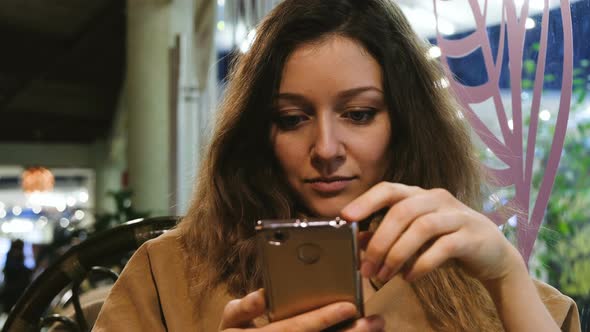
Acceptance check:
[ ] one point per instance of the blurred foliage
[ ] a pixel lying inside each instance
(124, 211)
(563, 244)
(564, 239)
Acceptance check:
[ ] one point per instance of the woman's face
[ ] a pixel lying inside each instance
(331, 127)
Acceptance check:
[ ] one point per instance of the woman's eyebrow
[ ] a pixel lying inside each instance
(291, 97)
(295, 97)
(346, 94)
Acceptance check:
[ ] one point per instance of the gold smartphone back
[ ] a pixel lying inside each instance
(308, 264)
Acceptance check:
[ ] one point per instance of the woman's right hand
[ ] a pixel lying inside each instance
(238, 315)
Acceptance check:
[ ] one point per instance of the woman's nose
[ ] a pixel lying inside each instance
(327, 149)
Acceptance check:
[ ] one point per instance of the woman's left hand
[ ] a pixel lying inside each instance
(437, 222)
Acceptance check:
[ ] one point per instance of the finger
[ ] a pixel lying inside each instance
(443, 249)
(241, 312)
(423, 229)
(380, 196)
(395, 222)
(316, 320)
(373, 323)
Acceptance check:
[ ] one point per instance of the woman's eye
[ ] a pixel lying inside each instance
(361, 116)
(287, 122)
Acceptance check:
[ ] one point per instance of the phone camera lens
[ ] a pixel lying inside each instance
(279, 236)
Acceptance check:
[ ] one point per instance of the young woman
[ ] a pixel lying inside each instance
(336, 111)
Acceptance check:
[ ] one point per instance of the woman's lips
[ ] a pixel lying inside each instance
(330, 187)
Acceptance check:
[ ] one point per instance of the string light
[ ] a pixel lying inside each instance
(545, 115)
(434, 52)
(529, 23)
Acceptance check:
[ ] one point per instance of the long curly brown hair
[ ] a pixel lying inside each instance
(240, 180)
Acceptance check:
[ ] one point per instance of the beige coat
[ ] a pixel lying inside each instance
(152, 295)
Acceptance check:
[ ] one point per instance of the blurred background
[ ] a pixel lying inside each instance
(106, 105)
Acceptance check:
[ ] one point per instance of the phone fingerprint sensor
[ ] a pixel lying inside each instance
(309, 253)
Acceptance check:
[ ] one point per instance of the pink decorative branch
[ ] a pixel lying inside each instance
(560, 128)
(510, 148)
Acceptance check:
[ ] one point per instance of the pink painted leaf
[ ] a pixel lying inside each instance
(510, 149)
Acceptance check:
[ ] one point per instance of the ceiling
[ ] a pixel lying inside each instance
(61, 68)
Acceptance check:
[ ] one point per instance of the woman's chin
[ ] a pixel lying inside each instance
(327, 207)
(328, 212)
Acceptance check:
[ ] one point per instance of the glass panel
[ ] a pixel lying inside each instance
(532, 60)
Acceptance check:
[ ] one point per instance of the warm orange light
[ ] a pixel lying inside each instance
(37, 179)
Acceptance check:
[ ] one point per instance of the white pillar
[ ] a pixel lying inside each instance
(194, 24)
(148, 24)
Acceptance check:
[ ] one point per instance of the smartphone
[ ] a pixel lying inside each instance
(308, 264)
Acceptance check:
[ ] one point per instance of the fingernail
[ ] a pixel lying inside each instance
(368, 269)
(384, 274)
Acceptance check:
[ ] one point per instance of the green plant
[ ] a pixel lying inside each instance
(124, 211)
(561, 255)
(563, 250)
(563, 246)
